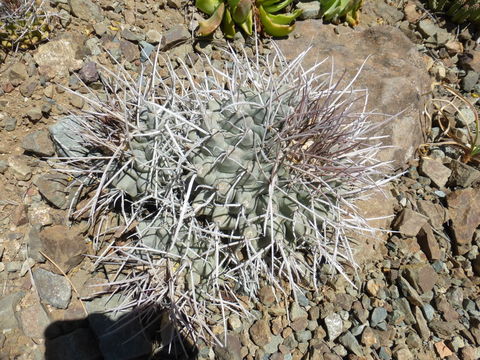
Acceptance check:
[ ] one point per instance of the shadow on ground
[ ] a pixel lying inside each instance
(131, 336)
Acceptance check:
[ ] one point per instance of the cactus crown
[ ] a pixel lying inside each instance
(233, 175)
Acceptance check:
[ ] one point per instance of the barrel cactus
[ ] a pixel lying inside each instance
(460, 11)
(23, 24)
(242, 174)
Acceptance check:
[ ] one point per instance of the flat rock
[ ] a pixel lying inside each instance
(63, 245)
(7, 310)
(421, 276)
(436, 213)
(436, 171)
(470, 60)
(351, 343)
(18, 73)
(59, 57)
(34, 321)
(53, 187)
(231, 350)
(428, 243)
(409, 222)
(394, 74)
(20, 167)
(260, 333)
(462, 175)
(86, 10)
(297, 312)
(334, 325)
(464, 209)
(174, 37)
(88, 73)
(52, 288)
(38, 143)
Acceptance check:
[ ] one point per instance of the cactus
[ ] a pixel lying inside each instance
(229, 177)
(23, 24)
(460, 11)
(244, 13)
(341, 10)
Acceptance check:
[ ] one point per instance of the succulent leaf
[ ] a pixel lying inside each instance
(207, 6)
(208, 26)
(272, 28)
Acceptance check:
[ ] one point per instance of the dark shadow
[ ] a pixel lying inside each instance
(133, 336)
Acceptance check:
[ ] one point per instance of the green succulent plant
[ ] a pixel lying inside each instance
(22, 25)
(341, 10)
(460, 11)
(244, 13)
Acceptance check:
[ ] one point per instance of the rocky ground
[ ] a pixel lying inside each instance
(417, 296)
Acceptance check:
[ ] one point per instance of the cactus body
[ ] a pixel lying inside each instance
(459, 11)
(230, 181)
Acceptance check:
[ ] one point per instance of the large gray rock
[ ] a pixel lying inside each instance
(86, 10)
(53, 289)
(394, 74)
(7, 310)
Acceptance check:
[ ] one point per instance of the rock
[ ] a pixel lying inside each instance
(464, 209)
(476, 265)
(86, 10)
(10, 123)
(442, 350)
(266, 295)
(411, 13)
(428, 243)
(421, 276)
(402, 353)
(303, 336)
(18, 73)
(63, 245)
(436, 171)
(311, 9)
(369, 337)
(7, 310)
(26, 266)
(52, 288)
(153, 37)
(131, 36)
(470, 60)
(436, 213)
(469, 81)
(78, 344)
(447, 310)
(146, 50)
(394, 75)
(378, 315)
(409, 222)
(129, 51)
(88, 73)
(53, 187)
(334, 325)
(174, 36)
(59, 57)
(428, 28)
(296, 312)
(235, 323)
(463, 175)
(421, 325)
(231, 350)
(34, 321)
(351, 343)
(35, 114)
(3, 166)
(260, 333)
(38, 143)
(468, 353)
(272, 346)
(20, 167)
(409, 292)
(28, 88)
